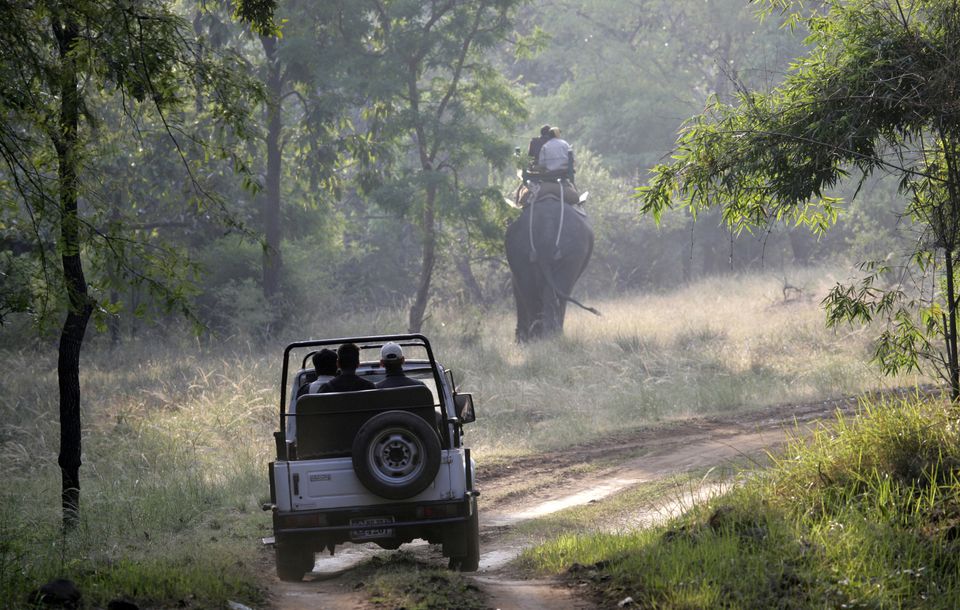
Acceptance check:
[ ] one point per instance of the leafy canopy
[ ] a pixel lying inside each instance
(146, 80)
(876, 94)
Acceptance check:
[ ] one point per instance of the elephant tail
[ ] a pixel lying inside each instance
(548, 275)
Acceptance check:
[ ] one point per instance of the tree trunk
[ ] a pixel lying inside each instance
(113, 320)
(469, 279)
(951, 331)
(950, 229)
(429, 237)
(79, 305)
(272, 261)
(801, 244)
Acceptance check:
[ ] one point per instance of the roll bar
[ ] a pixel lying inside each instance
(368, 342)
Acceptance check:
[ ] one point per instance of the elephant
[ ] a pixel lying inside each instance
(548, 247)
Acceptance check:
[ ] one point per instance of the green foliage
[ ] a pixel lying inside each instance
(904, 344)
(630, 252)
(440, 104)
(618, 76)
(141, 151)
(875, 94)
(865, 514)
(258, 13)
(432, 81)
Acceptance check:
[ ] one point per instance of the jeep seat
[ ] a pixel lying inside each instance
(328, 423)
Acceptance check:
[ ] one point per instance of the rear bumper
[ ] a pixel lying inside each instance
(325, 528)
(353, 528)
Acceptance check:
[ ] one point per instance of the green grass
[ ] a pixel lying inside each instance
(865, 515)
(178, 432)
(175, 451)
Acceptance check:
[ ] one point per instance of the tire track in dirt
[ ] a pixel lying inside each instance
(631, 458)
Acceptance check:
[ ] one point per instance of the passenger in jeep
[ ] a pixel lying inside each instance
(391, 358)
(325, 366)
(348, 359)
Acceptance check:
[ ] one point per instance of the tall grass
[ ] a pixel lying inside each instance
(718, 346)
(178, 432)
(175, 448)
(865, 515)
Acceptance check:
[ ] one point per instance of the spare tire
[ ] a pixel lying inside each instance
(396, 454)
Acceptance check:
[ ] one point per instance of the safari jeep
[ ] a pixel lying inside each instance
(384, 466)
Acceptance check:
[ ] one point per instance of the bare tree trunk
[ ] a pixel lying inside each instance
(272, 261)
(428, 231)
(951, 227)
(113, 320)
(429, 257)
(951, 331)
(80, 307)
(801, 245)
(469, 280)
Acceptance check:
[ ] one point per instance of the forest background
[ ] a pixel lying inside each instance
(260, 174)
(317, 206)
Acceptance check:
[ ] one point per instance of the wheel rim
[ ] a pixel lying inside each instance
(395, 456)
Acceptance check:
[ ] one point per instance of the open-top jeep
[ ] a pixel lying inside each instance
(384, 465)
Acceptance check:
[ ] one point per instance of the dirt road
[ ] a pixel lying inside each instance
(541, 484)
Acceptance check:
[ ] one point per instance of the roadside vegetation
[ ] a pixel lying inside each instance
(179, 431)
(174, 453)
(864, 514)
(401, 581)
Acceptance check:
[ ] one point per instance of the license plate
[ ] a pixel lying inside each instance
(370, 534)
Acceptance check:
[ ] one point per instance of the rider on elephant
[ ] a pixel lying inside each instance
(553, 171)
(533, 150)
(556, 156)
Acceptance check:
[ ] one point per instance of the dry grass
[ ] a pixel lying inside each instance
(718, 346)
(177, 433)
(175, 447)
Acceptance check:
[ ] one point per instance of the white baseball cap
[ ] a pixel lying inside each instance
(391, 351)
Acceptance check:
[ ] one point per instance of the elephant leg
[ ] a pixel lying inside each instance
(535, 321)
(565, 273)
(526, 293)
(562, 314)
(524, 279)
(565, 278)
(551, 316)
(524, 314)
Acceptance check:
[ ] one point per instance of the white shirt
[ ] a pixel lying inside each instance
(554, 155)
(292, 409)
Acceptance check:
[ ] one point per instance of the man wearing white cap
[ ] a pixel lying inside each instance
(391, 358)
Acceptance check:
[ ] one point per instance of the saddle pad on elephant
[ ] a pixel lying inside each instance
(540, 190)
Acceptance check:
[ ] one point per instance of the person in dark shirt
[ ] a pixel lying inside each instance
(533, 150)
(325, 366)
(348, 359)
(391, 358)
